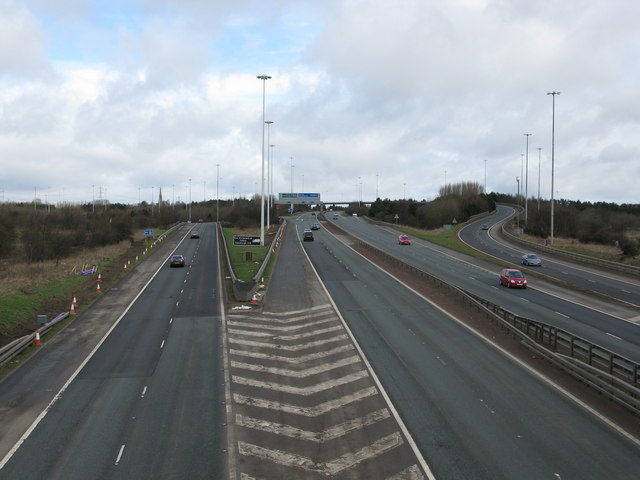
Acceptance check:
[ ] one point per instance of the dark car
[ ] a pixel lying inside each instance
(531, 259)
(195, 234)
(176, 261)
(404, 240)
(315, 226)
(307, 236)
(511, 277)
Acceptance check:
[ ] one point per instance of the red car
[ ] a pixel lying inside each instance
(511, 277)
(404, 240)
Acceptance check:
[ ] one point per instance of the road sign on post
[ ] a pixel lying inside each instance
(246, 240)
(298, 199)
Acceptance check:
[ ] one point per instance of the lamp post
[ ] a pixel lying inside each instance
(526, 183)
(553, 128)
(264, 79)
(518, 197)
(268, 122)
(189, 200)
(217, 192)
(271, 147)
(485, 177)
(291, 209)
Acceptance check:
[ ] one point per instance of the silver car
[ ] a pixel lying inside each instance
(531, 259)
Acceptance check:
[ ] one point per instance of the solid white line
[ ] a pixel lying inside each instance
(120, 454)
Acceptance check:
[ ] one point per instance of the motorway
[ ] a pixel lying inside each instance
(473, 412)
(343, 373)
(605, 283)
(148, 403)
(540, 301)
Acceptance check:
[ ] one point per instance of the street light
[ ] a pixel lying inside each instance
(526, 184)
(518, 197)
(553, 128)
(291, 209)
(217, 192)
(268, 122)
(271, 147)
(264, 79)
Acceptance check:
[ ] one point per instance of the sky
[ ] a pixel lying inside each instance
(120, 99)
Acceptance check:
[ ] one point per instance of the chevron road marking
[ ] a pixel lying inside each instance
(282, 328)
(307, 372)
(411, 473)
(304, 311)
(291, 348)
(330, 433)
(296, 360)
(306, 390)
(314, 411)
(331, 467)
(246, 333)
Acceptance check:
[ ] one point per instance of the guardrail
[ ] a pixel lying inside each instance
(19, 344)
(616, 377)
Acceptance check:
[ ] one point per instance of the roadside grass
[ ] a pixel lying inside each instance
(246, 260)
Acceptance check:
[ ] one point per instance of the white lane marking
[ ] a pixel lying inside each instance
(170, 320)
(285, 337)
(291, 348)
(296, 360)
(332, 467)
(614, 336)
(298, 373)
(312, 411)
(304, 391)
(282, 328)
(562, 314)
(324, 306)
(330, 433)
(120, 454)
(144, 391)
(162, 344)
(441, 361)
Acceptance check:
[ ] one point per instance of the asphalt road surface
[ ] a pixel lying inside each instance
(148, 403)
(473, 412)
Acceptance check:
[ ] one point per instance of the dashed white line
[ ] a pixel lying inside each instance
(162, 344)
(144, 391)
(562, 314)
(120, 454)
(614, 336)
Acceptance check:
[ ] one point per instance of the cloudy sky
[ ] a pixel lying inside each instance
(116, 99)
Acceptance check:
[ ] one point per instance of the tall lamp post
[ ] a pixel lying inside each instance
(271, 147)
(264, 79)
(526, 183)
(553, 129)
(217, 192)
(291, 209)
(268, 122)
(518, 217)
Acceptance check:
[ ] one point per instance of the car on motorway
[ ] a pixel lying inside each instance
(531, 259)
(510, 277)
(335, 216)
(404, 239)
(315, 226)
(195, 234)
(176, 261)
(307, 236)
(485, 226)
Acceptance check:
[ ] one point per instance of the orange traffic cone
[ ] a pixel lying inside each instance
(99, 277)
(75, 302)
(73, 310)
(125, 266)
(97, 288)
(254, 299)
(37, 342)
